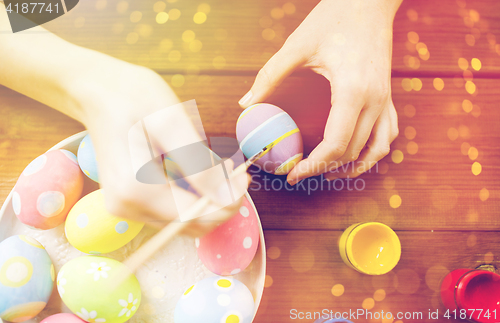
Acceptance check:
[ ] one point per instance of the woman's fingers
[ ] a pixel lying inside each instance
(346, 107)
(384, 132)
(282, 64)
(362, 132)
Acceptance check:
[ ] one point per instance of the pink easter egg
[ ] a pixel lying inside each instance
(47, 189)
(63, 318)
(263, 124)
(231, 247)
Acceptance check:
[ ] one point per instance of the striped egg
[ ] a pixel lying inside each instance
(262, 124)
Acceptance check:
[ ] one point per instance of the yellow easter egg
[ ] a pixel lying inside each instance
(90, 228)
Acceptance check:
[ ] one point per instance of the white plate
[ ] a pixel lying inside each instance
(163, 278)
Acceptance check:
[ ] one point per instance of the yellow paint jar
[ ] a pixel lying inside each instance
(371, 248)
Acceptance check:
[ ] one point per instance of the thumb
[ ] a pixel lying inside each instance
(270, 76)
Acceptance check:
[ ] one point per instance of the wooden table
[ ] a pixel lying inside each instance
(448, 180)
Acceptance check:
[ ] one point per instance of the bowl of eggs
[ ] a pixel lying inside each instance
(60, 250)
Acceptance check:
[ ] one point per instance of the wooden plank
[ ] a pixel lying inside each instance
(436, 185)
(234, 31)
(304, 266)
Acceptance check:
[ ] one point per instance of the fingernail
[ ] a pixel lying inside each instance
(292, 182)
(245, 99)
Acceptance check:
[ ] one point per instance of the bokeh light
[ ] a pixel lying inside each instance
(188, 36)
(410, 133)
(273, 253)
(468, 76)
(379, 295)
(132, 38)
(195, 46)
(452, 133)
(434, 275)
(467, 105)
(135, 16)
(389, 183)
(174, 14)
(476, 168)
(476, 64)
(277, 13)
(412, 15)
(122, 6)
(177, 80)
(476, 111)
(407, 84)
(412, 147)
(473, 153)
(464, 148)
(397, 156)
(470, 87)
(174, 56)
(416, 84)
(438, 84)
(395, 201)
(289, 8)
(368, 303)
(484, 194)
(268, 34)
(268, 281)
(413, 37)
(162, 17)
(463, 131)
(199, 18)
(470, 39)
(471, 240)
(204, 7)
(338, 290)
(409, 111)
(407, 281)
(219, 62)
(159, 6)
(463, 64)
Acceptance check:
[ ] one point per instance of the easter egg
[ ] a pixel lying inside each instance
(262, 124)
(87, 160)
(231, 246)
(63, 318)
(26, 278)
(90, 228)
(47, 189)
(89, 288)
(215, 300)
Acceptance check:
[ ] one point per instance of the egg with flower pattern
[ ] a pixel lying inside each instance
(26, 278)
(90, 228)
(89, 288)
(47, 189)
(216, 300)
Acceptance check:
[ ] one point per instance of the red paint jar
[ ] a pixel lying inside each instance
(473, 293)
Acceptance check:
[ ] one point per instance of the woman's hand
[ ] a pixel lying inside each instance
(112, 99)
(350, 44)
(109, 97)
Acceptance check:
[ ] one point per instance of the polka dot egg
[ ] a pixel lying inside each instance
(26, 278)
(88, 287)
(216, 300)
(47, 189)
(63, 318)
(87, 159)
(90, 228)
(262, 124)
(231, 247)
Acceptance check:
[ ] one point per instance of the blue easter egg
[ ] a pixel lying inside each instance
(26, 278)
(216, 300)
(87, 160)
